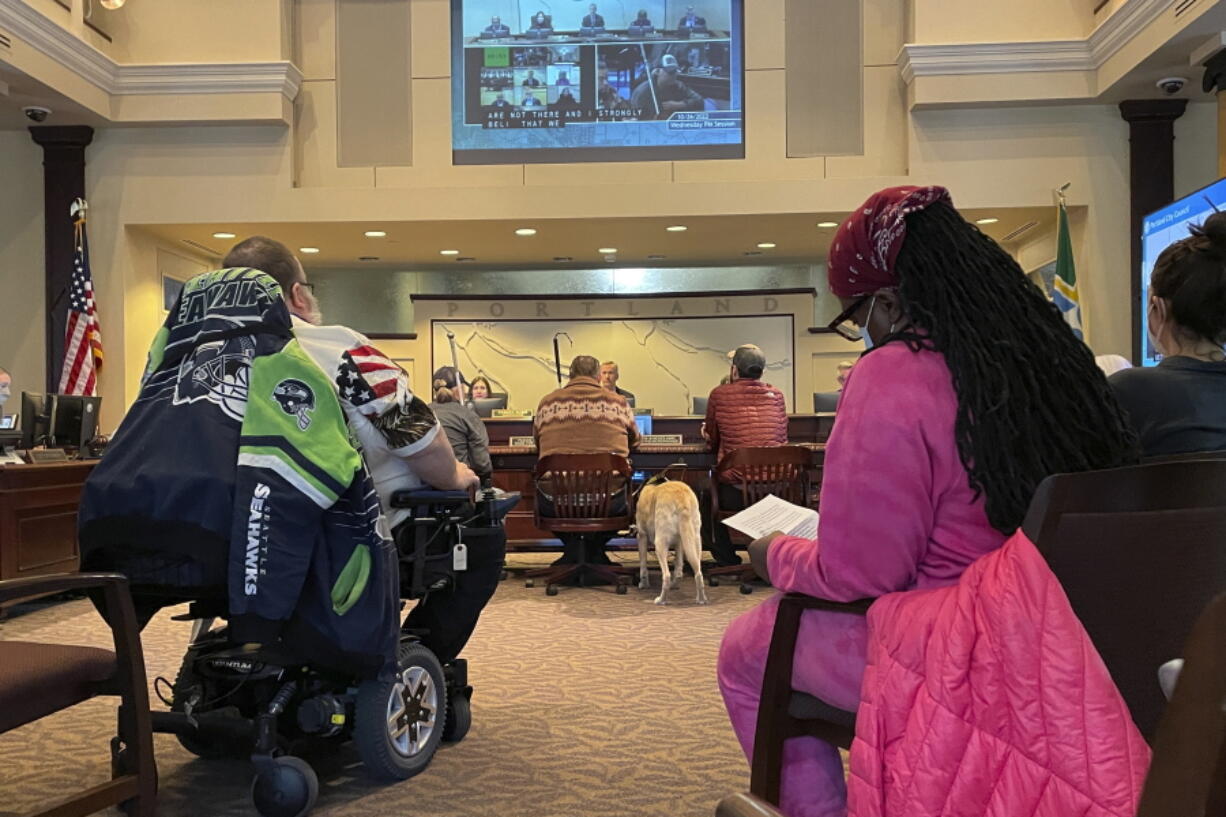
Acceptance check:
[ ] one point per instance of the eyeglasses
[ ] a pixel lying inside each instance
(844, 325)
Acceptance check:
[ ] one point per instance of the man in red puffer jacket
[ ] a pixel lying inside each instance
(746, 413)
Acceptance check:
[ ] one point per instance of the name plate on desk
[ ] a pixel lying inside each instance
(521, 442)
(661, 439)
(38, 455)
(516, 413)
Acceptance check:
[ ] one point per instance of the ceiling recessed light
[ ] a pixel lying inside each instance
(309, 250)
(607, 250)
(766, 245)
(224, 235)
(987, 221)
(368, 258)
(562, 258)
(525, 231)
(448, 252)
(677, 228)
(827, 225)
(374, 234)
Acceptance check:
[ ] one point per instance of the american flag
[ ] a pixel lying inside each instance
(82, 337)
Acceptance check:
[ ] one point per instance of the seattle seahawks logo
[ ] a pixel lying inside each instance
(217, 372)
(295, 399)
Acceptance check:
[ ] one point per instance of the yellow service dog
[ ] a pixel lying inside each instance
(667, 515)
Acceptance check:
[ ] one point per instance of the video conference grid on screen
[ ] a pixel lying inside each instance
(572, 80)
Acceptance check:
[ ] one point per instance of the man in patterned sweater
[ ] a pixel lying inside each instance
(583, 417)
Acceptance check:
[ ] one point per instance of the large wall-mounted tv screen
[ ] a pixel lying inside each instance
(575, 81)
(1160, 230)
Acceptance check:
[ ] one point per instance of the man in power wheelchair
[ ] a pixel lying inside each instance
(237, 482)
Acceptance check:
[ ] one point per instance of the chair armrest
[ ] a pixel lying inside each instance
(745, 805)
(17, 589)
(802, 602)
(429, 496)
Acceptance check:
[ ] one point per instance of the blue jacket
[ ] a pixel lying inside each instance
(234, 474)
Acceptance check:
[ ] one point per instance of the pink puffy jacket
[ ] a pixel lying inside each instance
(987, 698)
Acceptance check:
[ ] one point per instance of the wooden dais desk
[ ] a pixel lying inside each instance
(38, 517)
(514, 466)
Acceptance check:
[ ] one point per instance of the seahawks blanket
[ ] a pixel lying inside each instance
(234, 475)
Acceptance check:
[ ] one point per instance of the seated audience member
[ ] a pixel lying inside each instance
(401, 440)
(745, 413)
(691, 21)
(941, 439)
(844, 367)
(582, 417)
(1110, 364)
(592, 19)
(480, 388)
(609, 375)
(496, 28)
(1179, 406)
(469, 439)
(531, 81)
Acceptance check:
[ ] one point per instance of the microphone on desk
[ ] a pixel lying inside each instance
(557, 357)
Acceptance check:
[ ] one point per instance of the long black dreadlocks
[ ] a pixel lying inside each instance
(1031, 400)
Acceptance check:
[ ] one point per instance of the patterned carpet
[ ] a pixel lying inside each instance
(586, 703)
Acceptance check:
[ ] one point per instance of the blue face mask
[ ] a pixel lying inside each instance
(868, 339)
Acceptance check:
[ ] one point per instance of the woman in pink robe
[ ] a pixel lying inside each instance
(971, 364)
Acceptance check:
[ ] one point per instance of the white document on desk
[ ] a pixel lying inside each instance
(772, 514)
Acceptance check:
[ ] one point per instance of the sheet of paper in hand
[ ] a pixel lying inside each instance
(772, 514)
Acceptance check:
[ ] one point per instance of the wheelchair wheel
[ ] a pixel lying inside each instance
(459, 719)
(284, 787)
(398, 724)
(209, 747)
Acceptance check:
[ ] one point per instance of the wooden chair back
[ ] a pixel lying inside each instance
(1188, 772)
(759, 472)
(1140, 552)
(584, 487)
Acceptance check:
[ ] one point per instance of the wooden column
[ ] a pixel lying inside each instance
(1151, 162)
(1215, 80)
(63, 181)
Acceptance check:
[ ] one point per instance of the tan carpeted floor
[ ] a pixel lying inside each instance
(586, 703)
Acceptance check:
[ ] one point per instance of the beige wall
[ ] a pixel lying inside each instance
(22, 339)
(973, 21)
(989, 158)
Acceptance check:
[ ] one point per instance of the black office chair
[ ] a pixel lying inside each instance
(826, 401)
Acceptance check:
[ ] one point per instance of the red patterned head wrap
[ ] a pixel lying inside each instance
(867, 243)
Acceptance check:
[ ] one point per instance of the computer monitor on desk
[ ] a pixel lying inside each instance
(643, 421)
(826, 401)
(485, 406)
(76, 420)
(58, 419)
(700, 406)
(640, 31)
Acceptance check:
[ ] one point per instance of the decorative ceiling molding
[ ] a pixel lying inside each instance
(1089, 54)
(57, 43)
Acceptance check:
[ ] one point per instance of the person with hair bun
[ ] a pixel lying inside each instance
(464, 429)
(1180, 406)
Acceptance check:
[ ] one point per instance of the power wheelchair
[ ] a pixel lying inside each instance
(230, 700)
